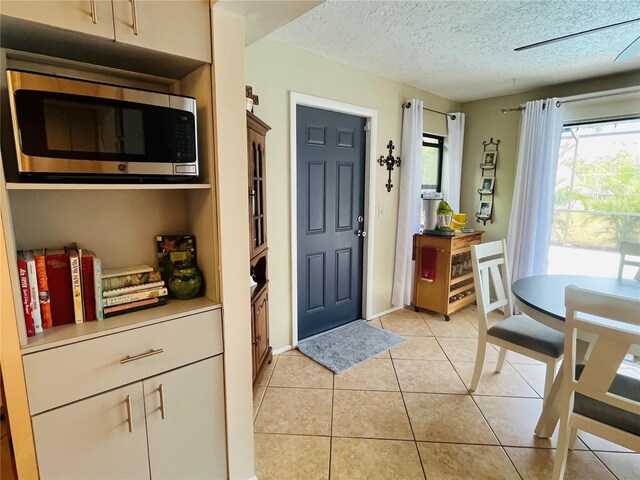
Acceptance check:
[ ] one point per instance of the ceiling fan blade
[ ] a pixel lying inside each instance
(631, 51)
(573, 35)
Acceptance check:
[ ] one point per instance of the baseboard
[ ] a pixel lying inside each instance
(282, 350)
(386, 312)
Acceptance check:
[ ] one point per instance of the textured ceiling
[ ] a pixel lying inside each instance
(463, 50)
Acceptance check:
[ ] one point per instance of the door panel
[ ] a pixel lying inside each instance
(91, 438)
(189, 442)
(330, 190)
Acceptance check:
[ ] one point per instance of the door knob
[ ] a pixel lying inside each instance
(361, 233)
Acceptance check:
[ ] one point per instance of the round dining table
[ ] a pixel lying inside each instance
(541, 297)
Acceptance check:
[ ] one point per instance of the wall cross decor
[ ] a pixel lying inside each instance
(389, 162)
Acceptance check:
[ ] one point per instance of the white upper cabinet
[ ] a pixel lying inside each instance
(177, 27)
(94, 17)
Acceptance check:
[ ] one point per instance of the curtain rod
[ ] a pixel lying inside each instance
(408, 105)
(587, 96)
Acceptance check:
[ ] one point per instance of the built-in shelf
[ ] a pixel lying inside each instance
(108, 186)
(71, 333)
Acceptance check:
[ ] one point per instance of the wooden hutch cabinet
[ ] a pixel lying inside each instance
(256, 132)
(443, 278)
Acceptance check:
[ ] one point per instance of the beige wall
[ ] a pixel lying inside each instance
(231, 158)
(484, 120)
(273, 70)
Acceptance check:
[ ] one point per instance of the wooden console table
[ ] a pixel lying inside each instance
(443, 278)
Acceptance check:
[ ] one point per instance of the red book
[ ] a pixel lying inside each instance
(43, 289)
(60, 290)
(26, 297)
(88, 285)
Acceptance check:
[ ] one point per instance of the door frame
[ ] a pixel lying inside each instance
(371, 117)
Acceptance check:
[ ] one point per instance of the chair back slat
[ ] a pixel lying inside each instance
(593, 312)
(601, 368)
(491, 278)
(497, 304)
(632, 250)
(498, 285)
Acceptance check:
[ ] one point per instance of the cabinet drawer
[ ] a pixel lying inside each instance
(465, 242)
(65, 374)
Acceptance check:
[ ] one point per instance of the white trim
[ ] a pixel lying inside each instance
(278, 351)
(603, 94)
(386, 312)
(371, 115)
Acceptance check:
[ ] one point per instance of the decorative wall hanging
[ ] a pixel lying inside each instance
(488, 166)
(251, 98)
(389, 162)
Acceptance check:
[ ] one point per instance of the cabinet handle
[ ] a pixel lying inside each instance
(94, 12)
(150, 353)
(162, 407)
(134, 16)
(129, 414)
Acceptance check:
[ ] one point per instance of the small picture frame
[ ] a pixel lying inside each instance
(487, 185)
(485, 209)
(489, 159)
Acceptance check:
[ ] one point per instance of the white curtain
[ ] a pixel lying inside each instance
(452, 160)
(409, 203)
(532, 206)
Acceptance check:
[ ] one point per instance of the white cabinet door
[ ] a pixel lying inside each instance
(99, 437)
(178, 27)
(94, 17)
(189, 442)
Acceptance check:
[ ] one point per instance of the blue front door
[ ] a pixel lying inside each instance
(330, 199)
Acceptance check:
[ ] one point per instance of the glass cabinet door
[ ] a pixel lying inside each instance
(257, 193)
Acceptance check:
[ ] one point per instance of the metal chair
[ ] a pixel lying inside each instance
(517, 333)
(594, 397)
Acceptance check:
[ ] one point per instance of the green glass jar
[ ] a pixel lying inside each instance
(185, 281)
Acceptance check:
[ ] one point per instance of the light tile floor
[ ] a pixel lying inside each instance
(409, 414)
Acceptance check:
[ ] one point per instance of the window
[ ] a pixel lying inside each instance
(432, 147)
(597, 197)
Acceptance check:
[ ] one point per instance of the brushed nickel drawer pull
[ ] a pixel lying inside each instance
(129, 414)
(134, 15)
(162, 407)
(94, 13)
(150, 353)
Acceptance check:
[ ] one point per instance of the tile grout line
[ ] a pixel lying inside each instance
(333, 397)
(481, 412)
(413, 433)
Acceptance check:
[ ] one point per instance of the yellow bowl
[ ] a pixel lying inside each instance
(459, 221)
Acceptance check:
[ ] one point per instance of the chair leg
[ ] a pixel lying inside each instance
(564, 438)
(480, 353)
(549, 376)
(573, 438)
(501, 357)
(562, 452)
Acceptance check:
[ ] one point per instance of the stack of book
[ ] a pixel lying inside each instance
(59, 286)
(130, 289)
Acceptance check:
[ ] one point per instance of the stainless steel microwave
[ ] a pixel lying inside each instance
(67, 127)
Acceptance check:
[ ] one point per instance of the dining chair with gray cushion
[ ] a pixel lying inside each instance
(628, 249)
(518, 333)
(595, 397)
